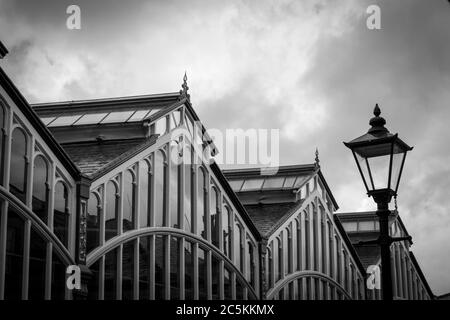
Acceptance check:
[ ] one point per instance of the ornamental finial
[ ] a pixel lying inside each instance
(185, 88)
(377, 122)
(317, 161)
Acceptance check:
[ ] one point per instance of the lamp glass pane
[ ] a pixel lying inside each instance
(397, 160)
(362, 164)
(379, 169)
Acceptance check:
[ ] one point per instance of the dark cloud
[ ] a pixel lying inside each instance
(310, 68)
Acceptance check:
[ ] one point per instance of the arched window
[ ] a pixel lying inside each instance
(280, 257)
(289, 253)
(275, 255)
(201, 197)
(174, 185)
(331, 248)
(238, 247)
(188, 212)
(315, 231)
(145, 196)
(160, 175)
(18, 171)
(2, 140)
(129, 190)
(270, 265)
(307, 241)
(226, 227)
(324, 239)
(299, 243)
(215, 216)
(61, 213)
(93, 222)
(40, 188)
(112, 197)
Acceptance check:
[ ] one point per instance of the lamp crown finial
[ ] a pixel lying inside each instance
(376, 110)
(377, 123)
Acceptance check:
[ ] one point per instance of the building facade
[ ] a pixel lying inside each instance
(125, 189)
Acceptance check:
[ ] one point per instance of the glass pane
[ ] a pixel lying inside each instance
(379, 168)
(144, 268)
(289, 182)
(215, 278)
(189, 271)
(159, 188)
(59, 277)
(61, 213)
(93, 223)
(365, 171)
(202, 275)
(152, 112)
(350, 226)
(46, 121)
(252, 184)
(235, 184)
(238, 247)
(36, 279)
(17, 175)
(175, 270)
(397, 160)
(40, 188)
(64, 121)
(111, 211)
(174, 186)
(94, 282)
(14, 256)
(120, 116)
(226, 218)
(161, 126)
(227, 284)
(160, 254)
(188, 210)
(366, 226)
(111, 275)
(128, 270)
(215, 216)
(90, 119)
(239, 290)
(128, 201)
(2, 153)
(144, 200)
(274, 182)
(201, 220)
(138, 115)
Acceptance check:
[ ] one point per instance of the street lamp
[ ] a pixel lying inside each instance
(380, 156)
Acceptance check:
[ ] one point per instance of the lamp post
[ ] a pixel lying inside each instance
(380, 156)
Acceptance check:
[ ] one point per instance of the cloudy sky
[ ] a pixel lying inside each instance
(310, 68)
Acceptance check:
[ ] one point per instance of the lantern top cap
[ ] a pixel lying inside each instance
(377, 122)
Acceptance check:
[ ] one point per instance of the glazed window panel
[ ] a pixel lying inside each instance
(215, 273)
(36, 276)
(14, 256)
(93, 222)
(112, 197)
(145, 195)
(279, 261)
(202, 275)
(227, 284)
(18, 165)
(189, 270)
(174, 186)
(160, 174)
(111, 275)
(201, 219)
(160, 266)
(128, 203)
(175, 268)
(238, 247)
(128, 270)
(61, 213)
(215, 216)
(276, 259)
(144, 268)
(40, 188)
(226, 230)
(299, 243)
(93, 284)
(59, 277)
(2, 140)
(251, 266)
(307, 241)
(188, 187)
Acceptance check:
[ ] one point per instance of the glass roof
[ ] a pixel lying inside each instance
(266, 183)
(99, 118)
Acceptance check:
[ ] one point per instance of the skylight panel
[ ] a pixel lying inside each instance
(289, 182)
(252, 184)
(90, 119)
(46, 121)
(236, 184)
(64, 121)
(273, 182)
(120, 116)
(138, 115)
